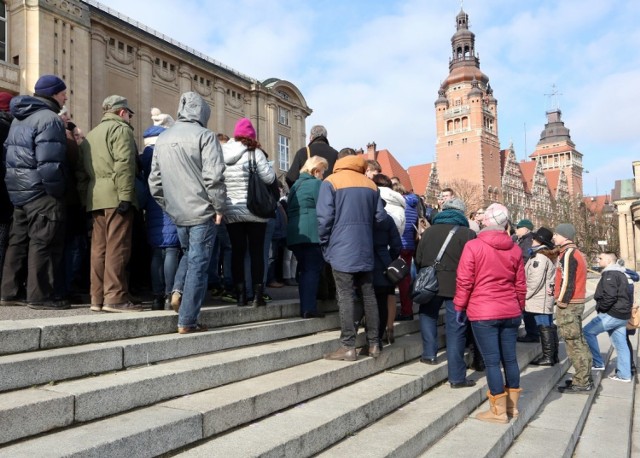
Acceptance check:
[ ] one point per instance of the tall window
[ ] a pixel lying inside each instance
(3, 31)
(283, 116)
(283, 152)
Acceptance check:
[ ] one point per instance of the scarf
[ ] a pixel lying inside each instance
(451, 216)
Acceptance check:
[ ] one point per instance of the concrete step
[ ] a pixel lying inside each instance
(95, 397)
(213, 411)
(47, 366)
(41, 334)
(409, 430)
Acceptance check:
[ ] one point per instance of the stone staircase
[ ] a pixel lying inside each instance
(256, 385)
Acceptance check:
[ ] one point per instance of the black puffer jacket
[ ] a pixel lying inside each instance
(36, 150)
(319, 146)
(611, 293)
(6, 209)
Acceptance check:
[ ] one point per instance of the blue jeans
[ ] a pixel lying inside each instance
(456, 336)
(164, 265)
(617, 330)
(311, 263)
(497, 342)
(543, 319)
(345, 281)
(221, 249)
(197, 244)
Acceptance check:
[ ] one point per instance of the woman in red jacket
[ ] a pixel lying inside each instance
(490, 291)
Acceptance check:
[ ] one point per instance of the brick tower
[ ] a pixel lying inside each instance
(467, 145)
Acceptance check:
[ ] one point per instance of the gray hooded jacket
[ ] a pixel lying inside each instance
(187, 169)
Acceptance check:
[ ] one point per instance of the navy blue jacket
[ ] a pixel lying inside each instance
(386, 248)
(36, 150)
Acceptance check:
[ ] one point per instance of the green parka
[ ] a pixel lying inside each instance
(109, 166)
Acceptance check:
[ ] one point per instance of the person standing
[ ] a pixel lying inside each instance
(318, 146)
(302, 232)
(490, 293)
(540, 271)
(614, 310)
(348, 206)
(187, 181)
(433, 238)
(36, 181)
(570, 292)
(246, 230)
(109, 159)
(6, 207)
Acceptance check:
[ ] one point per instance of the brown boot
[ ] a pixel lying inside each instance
(497, 412)
(342, 354)
(513, 394)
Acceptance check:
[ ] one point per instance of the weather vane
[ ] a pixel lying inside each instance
(553, 97)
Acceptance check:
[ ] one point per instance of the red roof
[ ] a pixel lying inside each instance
(392, 168)
(528, 171)
(595, 204)
(419, 175)
(553, 179)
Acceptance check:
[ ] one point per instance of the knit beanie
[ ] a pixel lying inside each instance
(49, 85)
(244, 128)
(5, 98)
(525, 223)
(567, 230)
(454, 204)
(161, 119)
(496, 215)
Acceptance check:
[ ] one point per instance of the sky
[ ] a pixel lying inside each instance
(370, 70)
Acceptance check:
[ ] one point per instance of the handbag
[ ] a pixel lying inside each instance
(262, 198)
(425, 286)
(397, 270)
(634, 321)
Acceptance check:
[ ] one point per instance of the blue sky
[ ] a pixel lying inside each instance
(370, 70)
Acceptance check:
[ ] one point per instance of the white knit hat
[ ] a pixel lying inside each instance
(496, 215)
(161, 119)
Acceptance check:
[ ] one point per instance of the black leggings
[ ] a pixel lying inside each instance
(241, 236)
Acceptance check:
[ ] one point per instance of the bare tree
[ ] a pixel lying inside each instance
(470, 193)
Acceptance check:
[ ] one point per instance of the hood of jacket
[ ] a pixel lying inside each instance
(353, 163)
(392, 197)
(495, 238)
(193, 108)
(24, 106)
(233, 151)
(153, 131)
(614, 266)
(412, 200)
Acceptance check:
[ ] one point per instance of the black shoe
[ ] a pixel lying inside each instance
(465, 384)
(258, 295)
(528, 339)
(312, 315)
(241, 294)
(158, 302)
(570, 388)
(431, 361)
(49, 305)
(13, 300)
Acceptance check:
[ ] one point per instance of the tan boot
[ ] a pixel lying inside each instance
(342, 354)
(497, 412)
(513, 394)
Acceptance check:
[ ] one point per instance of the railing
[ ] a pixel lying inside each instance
(165, 38)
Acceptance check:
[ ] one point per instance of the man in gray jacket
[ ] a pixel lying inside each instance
(187, 181)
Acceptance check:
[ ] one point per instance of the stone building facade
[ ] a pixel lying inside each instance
(98, 52)
(626, 198)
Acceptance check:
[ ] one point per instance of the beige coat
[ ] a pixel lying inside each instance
(540, 272)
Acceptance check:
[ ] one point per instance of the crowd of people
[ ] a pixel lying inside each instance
(342, 221)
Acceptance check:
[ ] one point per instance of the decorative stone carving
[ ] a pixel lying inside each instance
(123, 58)
(202, 89)
(74, 10)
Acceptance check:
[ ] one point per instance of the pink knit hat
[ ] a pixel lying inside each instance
(496, 215)
(244, 128)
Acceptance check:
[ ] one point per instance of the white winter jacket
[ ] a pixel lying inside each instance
(394, 205)
(540, 272)
(236, 177)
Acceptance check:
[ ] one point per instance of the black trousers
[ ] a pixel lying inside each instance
(243, 235)
(35, 248)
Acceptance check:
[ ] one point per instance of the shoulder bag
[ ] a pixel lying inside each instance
(262, 198)
(426, 285)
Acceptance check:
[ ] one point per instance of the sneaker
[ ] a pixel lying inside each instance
(228, 296)
(192, 329)
(176, 300)
(13, 300)
(216, 292)
(122, 308)
(49, 305)
(619, 379)
(266, 297)
(574, 389)
(597, 368)
(96, 307)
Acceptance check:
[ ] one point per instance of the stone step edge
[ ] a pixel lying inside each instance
(56, 365)
(406, 348)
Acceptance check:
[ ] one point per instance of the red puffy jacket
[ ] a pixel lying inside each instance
(490, 283)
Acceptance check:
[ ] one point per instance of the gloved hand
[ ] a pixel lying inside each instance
(123, 207)
(461, 317)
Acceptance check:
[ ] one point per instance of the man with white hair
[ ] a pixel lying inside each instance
(318, 146)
